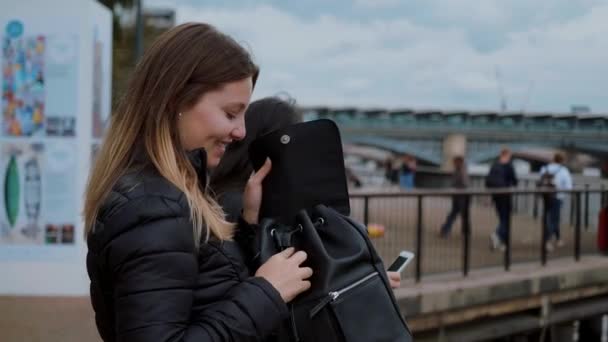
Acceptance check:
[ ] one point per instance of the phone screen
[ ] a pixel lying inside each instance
(398, 263)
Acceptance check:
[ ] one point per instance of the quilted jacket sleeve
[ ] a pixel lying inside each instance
(247, 239)
(154, 271)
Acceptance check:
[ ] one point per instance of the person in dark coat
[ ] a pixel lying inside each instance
(460, 180)
(161, 259)
(501, 175)
(391, 172)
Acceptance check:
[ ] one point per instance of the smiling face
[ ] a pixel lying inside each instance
(216, 120)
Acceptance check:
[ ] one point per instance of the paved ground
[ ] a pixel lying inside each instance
(35, 319)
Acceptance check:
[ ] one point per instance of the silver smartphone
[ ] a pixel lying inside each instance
(404, 258)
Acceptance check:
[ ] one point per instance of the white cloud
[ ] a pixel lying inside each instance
(282, 76)
(355, 84)
(377, 3)
(402, 63)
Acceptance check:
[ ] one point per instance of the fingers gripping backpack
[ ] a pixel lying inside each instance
(306, 206)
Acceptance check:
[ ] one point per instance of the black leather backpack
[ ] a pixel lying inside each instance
(350, 299)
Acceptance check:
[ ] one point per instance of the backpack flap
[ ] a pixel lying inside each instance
(307, 169)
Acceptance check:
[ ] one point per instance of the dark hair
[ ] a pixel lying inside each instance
(458, 162)
(262, 117)
(558, 158)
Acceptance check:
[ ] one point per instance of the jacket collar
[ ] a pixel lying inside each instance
(197, 158)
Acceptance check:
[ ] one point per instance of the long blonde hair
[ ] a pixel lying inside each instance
(181, 65)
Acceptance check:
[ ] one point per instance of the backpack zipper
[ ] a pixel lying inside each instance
(334, 295)
(294, 328)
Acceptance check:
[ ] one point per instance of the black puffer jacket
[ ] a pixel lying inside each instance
(149, 283)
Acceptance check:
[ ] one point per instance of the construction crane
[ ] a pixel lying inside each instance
(527, 96)
(501, 91)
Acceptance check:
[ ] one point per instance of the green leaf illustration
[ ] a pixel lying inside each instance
(11, 191)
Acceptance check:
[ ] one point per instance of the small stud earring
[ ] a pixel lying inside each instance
(179, 114)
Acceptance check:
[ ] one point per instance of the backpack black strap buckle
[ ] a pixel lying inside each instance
(284, 236)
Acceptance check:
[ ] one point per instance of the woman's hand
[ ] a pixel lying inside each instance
(252, 196)
(394, 279)
(284, 273)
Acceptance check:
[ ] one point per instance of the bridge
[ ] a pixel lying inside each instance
(435, 136)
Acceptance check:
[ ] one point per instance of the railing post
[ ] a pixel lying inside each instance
(586, 206)
(508, 240)
(573, 205)
(544, 235)
(366, 210)
(466, 233)
(419, 240)
(535, 205)
(577, 228)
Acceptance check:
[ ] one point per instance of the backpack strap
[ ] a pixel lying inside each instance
(552, 174)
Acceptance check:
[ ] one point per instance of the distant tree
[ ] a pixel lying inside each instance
(113, 5)
(123, 51)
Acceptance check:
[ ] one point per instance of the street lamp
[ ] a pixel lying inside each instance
(139, 31)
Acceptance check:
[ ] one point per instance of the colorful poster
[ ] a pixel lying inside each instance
(39, 100)
(23, 89)
(37, 201)
(39, 83)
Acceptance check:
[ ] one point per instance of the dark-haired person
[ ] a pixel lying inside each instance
(501, 175)
(159, 248)
(229, 178)
(562, 180)
(460, 180)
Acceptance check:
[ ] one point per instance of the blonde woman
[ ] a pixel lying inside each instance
(161, 261)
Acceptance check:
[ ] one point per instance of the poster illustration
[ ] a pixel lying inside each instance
(21, 193)
(36, 194)
(39, 83)
(23, 90)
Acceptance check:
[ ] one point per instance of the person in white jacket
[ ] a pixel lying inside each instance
(562, 180)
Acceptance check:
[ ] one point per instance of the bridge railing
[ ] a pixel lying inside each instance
(555, 125)
(528, 182)
(412, 220)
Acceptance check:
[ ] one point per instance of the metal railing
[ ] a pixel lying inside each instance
(395, 209)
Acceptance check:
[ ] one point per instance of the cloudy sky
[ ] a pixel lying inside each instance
(546, 55)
